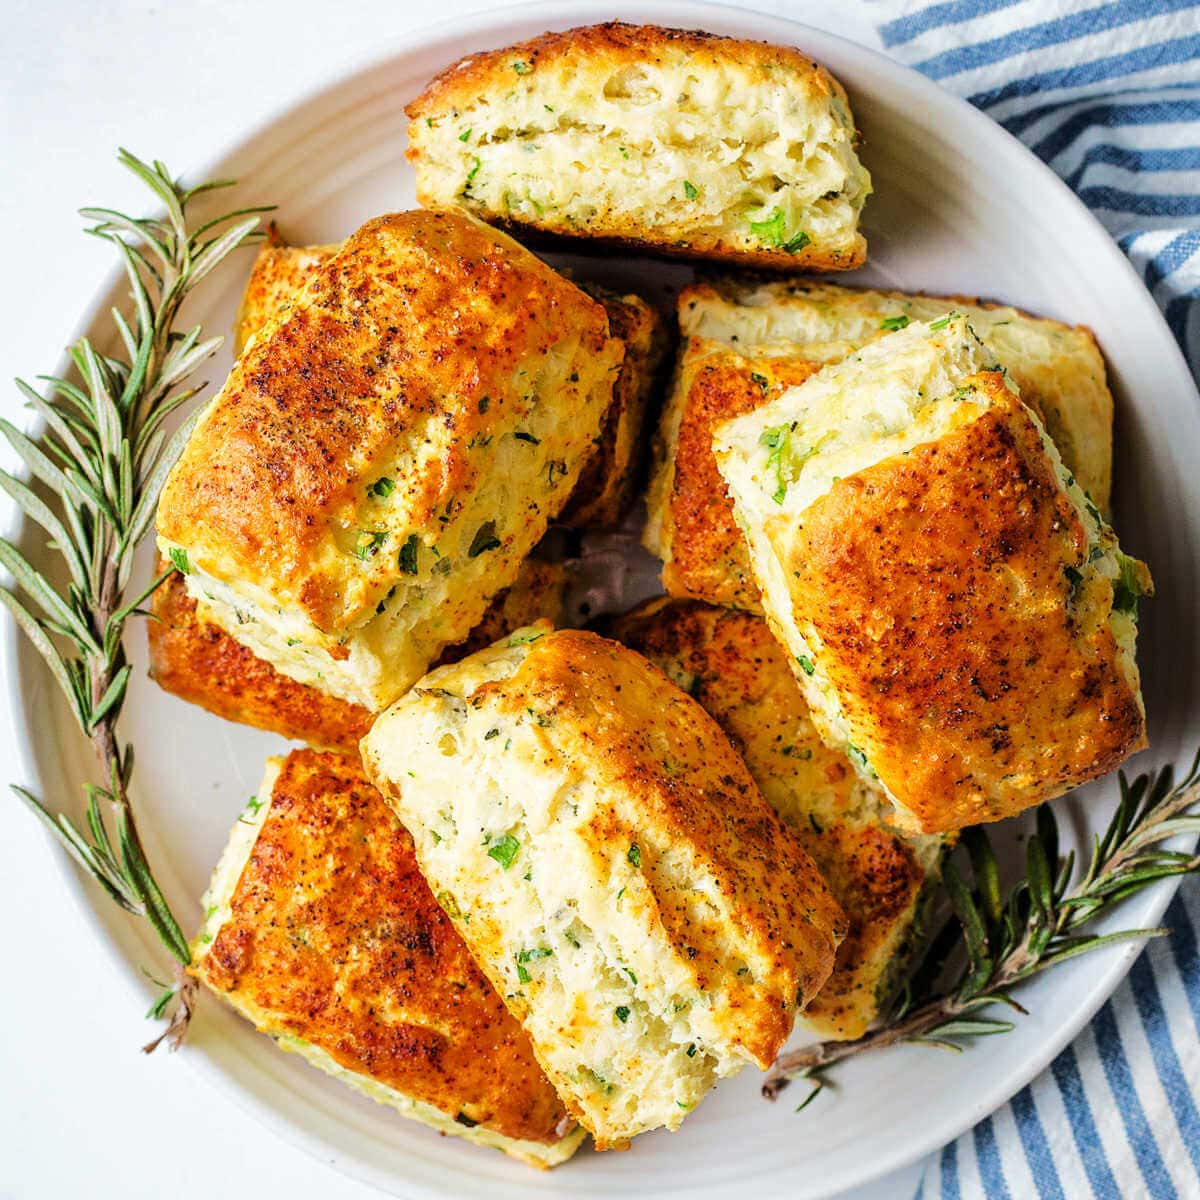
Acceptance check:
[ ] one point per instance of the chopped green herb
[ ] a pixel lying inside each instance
(475, 165)
(761, 380)
(1095, 553)
(465, 136)
(856, 756)
(293, 641)
(1127, 590)
(796, 244)
(369, 541)
(485, 539)
(690, 190)
(622, 1013)
(942, 322)
(484, 401)
(521, 68)
(178, 555)
(776, 439)
(491, 733)
(525, 639)
(253, 805)
(816, 825)
(533, 955)
(408, 555)
(504, 850)
(463, 1119)
(806, 664)
(449, 906)
(508, 743)
(522, 436)
(382, 487)
(893, 323)
(522, 974)
(635, 855)
(691, 1050)
(632, 976)
(624, 152)
(620, 894)
(769, 230)
(1074, 577)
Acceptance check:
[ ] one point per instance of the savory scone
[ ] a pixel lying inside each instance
(729, 662)
(320, 929)
(1058, 368)
(613, 469)
(613, 868)
(669, 139)
(199, 662)
(957, 611)
(387, 451)
(690, 523)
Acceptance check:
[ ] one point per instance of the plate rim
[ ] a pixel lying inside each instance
(119, 934)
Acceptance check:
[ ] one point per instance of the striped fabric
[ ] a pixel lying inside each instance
(1108, 95)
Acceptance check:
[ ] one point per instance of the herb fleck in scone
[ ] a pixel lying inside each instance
(1058, 368)
(674, 140)
(614, 466)
(738, 673)
(199, 662)
(957, 611)
(387, 451)
(320, 929)
(615, 871)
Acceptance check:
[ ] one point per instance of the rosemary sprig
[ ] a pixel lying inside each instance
(1042, 921)
(103, 457)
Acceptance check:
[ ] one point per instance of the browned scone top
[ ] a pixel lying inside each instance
(332, 936)
(692, 525)
(199, 662)
(704, 105)
(279, 274)
(423, 323)
(732, 665)
(982, 685)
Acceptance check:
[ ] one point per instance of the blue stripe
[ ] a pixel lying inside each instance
(1103, 111)
(1129, 158)
(1172, 256)
(1166, 1060)
(1129, 1105)
(1065, 1070)
(1142, 204)
(904, 29)
(1037, 1149)
(1144, 58)
(1049, 33)
(991, 1171)
(950, 1186)
(1184, 950)
(1177, 312)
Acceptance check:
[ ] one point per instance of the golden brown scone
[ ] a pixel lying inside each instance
(199, 662)
(320, 929)
(387, 451)
(665, 139)
(690, 522)
(613, 868)
(1058, 368)
(613, 470)
(959, 615)
(736, 670)
(279, 274)
(608, 482)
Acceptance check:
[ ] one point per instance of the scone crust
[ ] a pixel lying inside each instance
(732, 665)
(334, 937)
(418, 319)
(200, 663)
(980, 687)
(603, 50)
(692, 526)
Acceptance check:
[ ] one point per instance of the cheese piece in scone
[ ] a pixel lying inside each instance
(1058, 368)
(730, 663)
(959, 615)
(674, 140)
(613, 868)
(690, 523)
(613, 469)
(199, 662)
(387, 451)
(321, 930)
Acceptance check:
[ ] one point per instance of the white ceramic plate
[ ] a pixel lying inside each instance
(959, 207)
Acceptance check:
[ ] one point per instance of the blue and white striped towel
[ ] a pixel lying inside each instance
(1108, 95)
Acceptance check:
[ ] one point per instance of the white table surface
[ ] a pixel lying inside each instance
(82, 1112)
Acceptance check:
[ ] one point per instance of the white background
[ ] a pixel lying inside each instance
(82, 1113)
